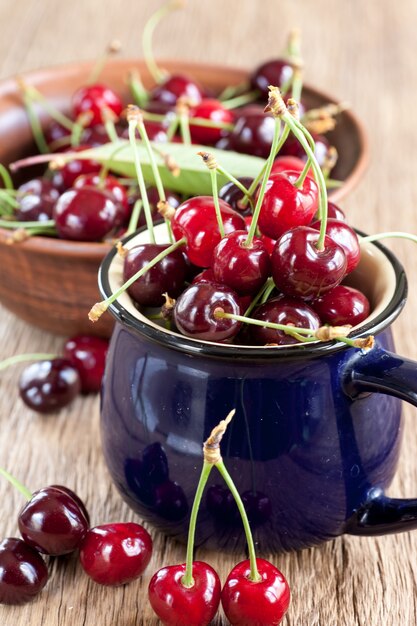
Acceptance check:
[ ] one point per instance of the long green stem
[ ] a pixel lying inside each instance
(147, 36)
(254, 573)
(138, 89)
(184, 120)
(303, 175)
(36, 127)
(188, 580)
(245, 98)
(213, 176)
(258, 296)
(389, 235)
(141, 181)
(22, 358)
(134, 218)
(234, 90)
(32, 93)
(6, 178)
(13, 224)
(17, 484)
(234, 180)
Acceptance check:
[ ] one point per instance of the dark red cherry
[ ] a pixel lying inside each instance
(277, 72)
(52, 522)
(55, 133)
(342, 305)
(293, 147)
(347, 239)
(65, 177)
(268, 243)
(86, 214)
(233, 195)
(334, 212)
(260, 603)
(95, 99)
(23, 573)
(75, 497)
(167, 276)
(36, 200)
(109, 184)
(253, 133)
(194, 312)
(289, 163)
(115, 554)
(206, 276)
(97, 135)
(174, 87)
(177, 605)
(285, 206)
(281, 310)
(214, 111)
(47, 386)
(170, 501)
(88, 356)
(301, 270)
(195, 219)
(244, 269)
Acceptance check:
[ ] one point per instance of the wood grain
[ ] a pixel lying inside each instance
(362, 52)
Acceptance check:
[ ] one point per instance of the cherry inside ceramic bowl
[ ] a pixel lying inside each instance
(52, 283)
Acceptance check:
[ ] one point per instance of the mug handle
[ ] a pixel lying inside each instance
(381, 371)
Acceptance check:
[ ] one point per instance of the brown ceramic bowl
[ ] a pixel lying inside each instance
(52, 283)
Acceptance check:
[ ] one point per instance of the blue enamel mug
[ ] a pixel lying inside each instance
(314, 442)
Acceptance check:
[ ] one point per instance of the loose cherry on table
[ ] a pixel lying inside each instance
(115, 554)
(46, 386)
(23, 573)
(88, 355)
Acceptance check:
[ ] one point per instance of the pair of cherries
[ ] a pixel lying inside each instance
(55, 522)
(48, 385)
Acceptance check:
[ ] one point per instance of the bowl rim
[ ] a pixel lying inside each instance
(189, 345)
(51, 246)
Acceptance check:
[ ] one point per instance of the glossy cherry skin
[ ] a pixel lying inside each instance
(109, 184)
(75, 497)
(52, 522)
(285, 206)
(301, 270)
(176, 605)
(36, 200)
(262, 603)
(291, 163)
(293, 147)
(206, 276)
(195, 219)
(281, 310)
(88, 356)
(253, 133)
(347, 239)
(334, 212)
(23, 573)
(243, 269)
(232, 194)
(195, 308)
(65, 177)
(86, 214)
(342, 305)
(115, 554)
(174, 87)
(47, 386)
(94, 99)
(167, 276)
(214, 111)
(275, 72)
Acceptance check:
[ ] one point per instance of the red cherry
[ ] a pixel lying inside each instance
(95, 99)
(275, 72)
(174, 87)
(176, 605)
(293, 147)
(342, 305)
(213, 110)
(52, 522)
(285, 206)
(334, 212)
(293, 163)
(195, 308)
(300, 269)
(109, 184)
(233, 195)
(253, 132)
(347, 239)
(115, 554)
(88, 355)
(75, 497)
(206, 276)
(64, 177)
(195, 219)
(36, 200)
(243, 269)
(248, 603)
(281, 310)
(23, 573)
(86, 214)
(47, 386)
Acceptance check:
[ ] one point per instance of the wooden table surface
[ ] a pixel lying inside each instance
(363, 52)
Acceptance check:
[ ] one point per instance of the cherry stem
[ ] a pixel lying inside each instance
(193, 121)
(6, 178)
(13, 224)
(17, 484)
(113, 47)
(294, 55)
(147, 36)
(303, 175)
(100, 307)
(172, 128)
(22, 358)
(138, 89)
(259, 295)
(141, 181)
(184, 120)
(110, 129)
(35, 125)
(134, 218)
(238, 101)
(254, 573)
(268, 168)
(235, 181)
(388, 235)
(215, 192)
(6, 197)
(233, 90)
(188, 580)
(33, 94)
